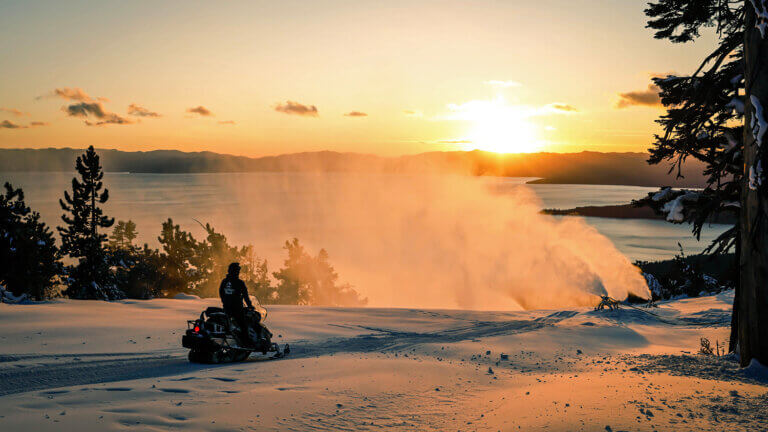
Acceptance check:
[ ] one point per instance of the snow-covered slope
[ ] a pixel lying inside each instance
(80, 365)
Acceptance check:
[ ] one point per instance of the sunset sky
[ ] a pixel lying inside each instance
(385, 77)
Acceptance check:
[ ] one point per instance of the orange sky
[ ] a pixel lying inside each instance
(396, 77)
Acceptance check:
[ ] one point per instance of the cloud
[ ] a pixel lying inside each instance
(227, 122)
(463, 141)
(295, 108)
(70, 93)
(502, 84)
(14, 111)
(413, 113)
(140, 111)
(648, 97)
(203, 111)
(95, 109)
(564, 107)
(356, 114)
(7, 124)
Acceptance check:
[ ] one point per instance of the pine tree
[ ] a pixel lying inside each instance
(28, 253)
(137, 270)
(291, 285)
(711, 114)
(213, 256)
(81, 240)
(305, 279)
(255, 273)
(753, 302)
(178, 259)
(123, 235)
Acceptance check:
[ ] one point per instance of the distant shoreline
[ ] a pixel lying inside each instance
(630, 169)
(623, 211)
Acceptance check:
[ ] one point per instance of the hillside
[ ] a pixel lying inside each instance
(565, 168)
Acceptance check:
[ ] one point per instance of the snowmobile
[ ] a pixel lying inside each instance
(216, 338)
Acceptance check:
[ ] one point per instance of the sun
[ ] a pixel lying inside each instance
(499, 127)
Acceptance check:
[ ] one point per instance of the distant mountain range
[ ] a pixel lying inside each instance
(564, 168)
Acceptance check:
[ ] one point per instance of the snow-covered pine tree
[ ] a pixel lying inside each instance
(28, 253)
(710, 115)
(91, 277)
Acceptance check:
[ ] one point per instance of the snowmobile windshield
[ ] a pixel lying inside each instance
(259, 308)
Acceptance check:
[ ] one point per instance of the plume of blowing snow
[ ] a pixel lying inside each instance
(440, 241)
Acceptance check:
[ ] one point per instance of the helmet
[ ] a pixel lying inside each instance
(234, 268)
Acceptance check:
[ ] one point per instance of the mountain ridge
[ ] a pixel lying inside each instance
(587, 167)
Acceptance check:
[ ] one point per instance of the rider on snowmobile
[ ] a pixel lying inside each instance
(233, 292)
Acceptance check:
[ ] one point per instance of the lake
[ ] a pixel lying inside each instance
(242, 206)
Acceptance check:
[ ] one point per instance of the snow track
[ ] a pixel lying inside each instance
(21, 373)
(119, 366)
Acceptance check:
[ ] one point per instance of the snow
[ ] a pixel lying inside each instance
(92, 366)
(183, 296)
(761, 10)
(653, 284)
(737, 105)
(674, 209)
(662, 194)
(8, 297)
(758, 124)
(756, 176)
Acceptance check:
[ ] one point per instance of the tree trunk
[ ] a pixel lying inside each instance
(734, 337)
(753, 296)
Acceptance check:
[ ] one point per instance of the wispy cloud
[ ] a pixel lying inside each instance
(227, 122)
(13, 111)
(503, 84)
(413, 113)
(94, 109)
(564, 107)
(201, 110)
(461, 141)
(7, 124)
(72, 94)
(295, 108)
(356, 114)
(140, 111)
(648, 97)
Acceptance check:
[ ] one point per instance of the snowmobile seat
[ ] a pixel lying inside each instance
(214, 310)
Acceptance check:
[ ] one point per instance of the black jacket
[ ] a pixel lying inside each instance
(233, 292)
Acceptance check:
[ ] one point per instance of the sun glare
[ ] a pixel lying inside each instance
(498, 127)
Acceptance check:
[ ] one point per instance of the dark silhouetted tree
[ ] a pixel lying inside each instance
(123, 235)
(137, 270)
(28, 254)
(716, 115)
(178, 260)
(81, 238)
